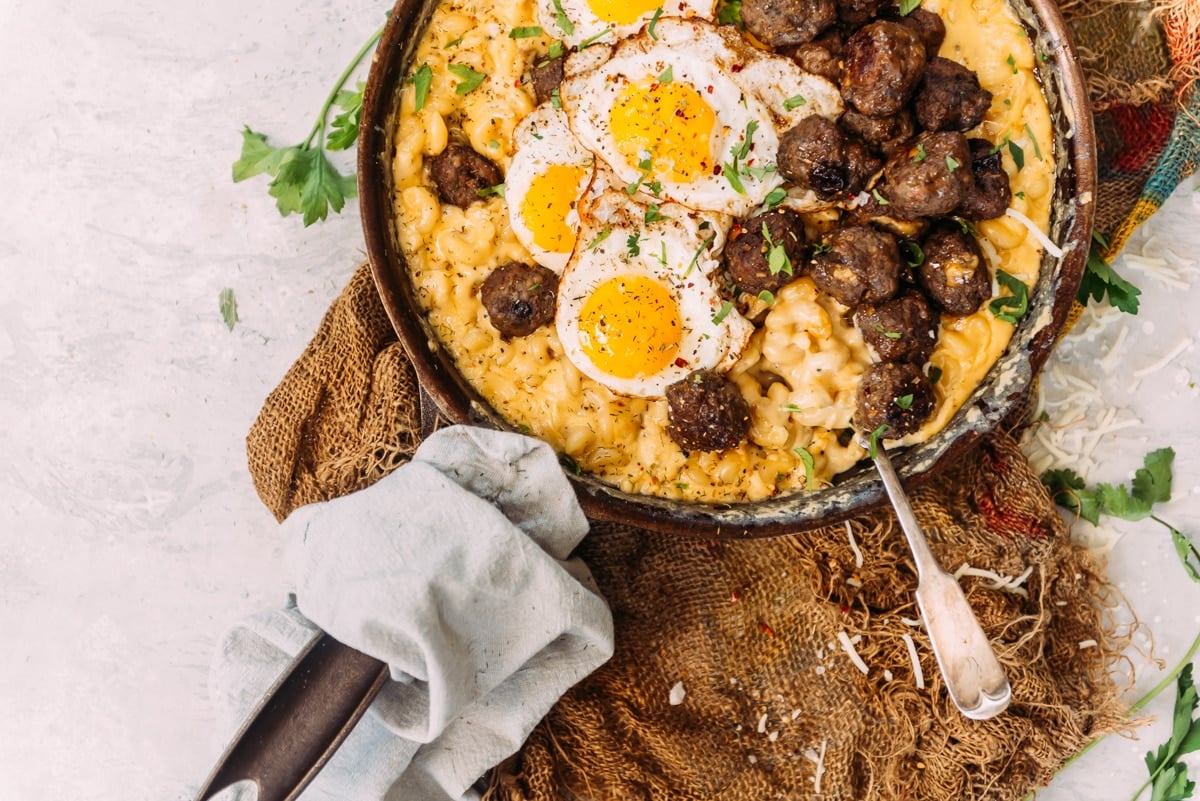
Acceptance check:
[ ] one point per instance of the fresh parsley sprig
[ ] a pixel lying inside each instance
(1168, 775)
(1099, 279)
(1151, 484)
(303, 179)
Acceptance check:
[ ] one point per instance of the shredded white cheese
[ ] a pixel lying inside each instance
(1180, 347)
(1087, 644)
(1051, 248)
(918, 676)
(795, 713)
(911, 622)
(677, 694)
(998, 582)
(858, 556)
(762, 723)
(887, 675)
(848, 647)
(773, 736)
(818, 759)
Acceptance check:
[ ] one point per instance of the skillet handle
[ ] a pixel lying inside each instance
(300, 722)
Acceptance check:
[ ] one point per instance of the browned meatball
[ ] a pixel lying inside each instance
(991, 193)
(954, 273)
(884, 135)
(546, 76)
(903, 329)
(928, 26)
(894, 394)
(780, 23)
(857, 13)
(459, 173)
(950, 98)
(706, 412)
(883, 64)
(816, 155)
(858, 264)
(822, 56)
(748, 253)
(930, 176)
(519, 298)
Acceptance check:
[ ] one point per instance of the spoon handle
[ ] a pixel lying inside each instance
(973, 675)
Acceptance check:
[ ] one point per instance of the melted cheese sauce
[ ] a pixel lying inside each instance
(800, 371)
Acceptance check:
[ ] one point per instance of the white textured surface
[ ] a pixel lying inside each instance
(130, 534)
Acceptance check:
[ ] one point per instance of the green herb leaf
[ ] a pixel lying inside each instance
(562, 20)
(730, 13)
(914, 257)
(422, 79)
(667, 75)
(1018, 155)
(491, 191)
(806, 458)
(526, 32)
(935, 374)
(775, 197)
(1010, 308)
(452, 43)
(726, 307)
(1011, 61)
(591, 40)
(1100, 279)
(1037, 151)
(794, 102)
(228, 305)
(730, 171)
(600, 237)
(257, 156)
(654, 214)
(633, 245)
(777, 258)
(1069, 491)
(767, 297)
(951, 163)
(658, 12)
(920, 155)
(555, 50)
(908, 6)
(905, 402)
(889, 334)
(880, 199)
(734, 170)
(1168, 775)
(469, 79)
(874, 439)
(555, 98)
(344, 127)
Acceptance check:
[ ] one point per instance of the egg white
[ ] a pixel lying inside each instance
(543, 143)
(679, 250)
(750, 92)
(579, 22)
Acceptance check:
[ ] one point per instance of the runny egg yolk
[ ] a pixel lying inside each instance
(551, 196)
(623, 12)
(630, 326)
(671, 122)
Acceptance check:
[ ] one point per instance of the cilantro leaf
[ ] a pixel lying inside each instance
(422, 79)
(809, 465)
(308, 184)
(1010, 308)
(908, 6)
(469, 79)
(1068, 490)
(730, 13)
(257, 156)
(344, 128)
(1168, 775)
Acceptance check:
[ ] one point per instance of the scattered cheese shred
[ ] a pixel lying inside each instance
(677, 694)
(858, 556)
(1088, 644)
(762, 723)
(998, 582)
(918, 676)
(1051, 248)
(1179, 348)
(848, 647)
(818, 759)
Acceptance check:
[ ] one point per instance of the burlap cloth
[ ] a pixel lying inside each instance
(772, 705)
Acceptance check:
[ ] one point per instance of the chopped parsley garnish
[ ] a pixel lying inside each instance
(1011, 60)
(735, 170)
(913, 255)
(730, 13)
(497, 190)
(935, 374)
(889, 334)
(453, 42)
(952, 163)
(667, 75)
(658, 12)
(1010, 308)
(777, 258)
(555, 50)
(469, 78)
(662, 256)
(228, 306)
(904, 402)
(562, 20)
(880, 199)
(806, 458)
(591, 40)
(908, 6)
(919, 156)
(632, 244)
(821, 247)
(767, 297)
(696, 256)
(775, 197)
(874, 439)
(654, 214)
(794, 102)
(600, 237)
(726, 308)
(526, 32)
(555, 98)
(422, 79)
(1037, 151)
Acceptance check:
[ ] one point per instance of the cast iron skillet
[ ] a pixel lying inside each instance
(854, 492)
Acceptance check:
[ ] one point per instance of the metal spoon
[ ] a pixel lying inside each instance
(973, 675)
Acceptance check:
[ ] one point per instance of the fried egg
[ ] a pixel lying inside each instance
(547, 179)
(637, 309)
(579, 22)
(692, 114)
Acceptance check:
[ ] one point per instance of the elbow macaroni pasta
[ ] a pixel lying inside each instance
(800, 371)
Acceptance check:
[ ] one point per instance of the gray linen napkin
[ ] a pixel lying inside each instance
(454, 570)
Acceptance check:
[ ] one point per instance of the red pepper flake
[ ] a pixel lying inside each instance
(734, 597)
(715, 548)
(845, 609)
(736, 68)
(767, 630)
(681, 362)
